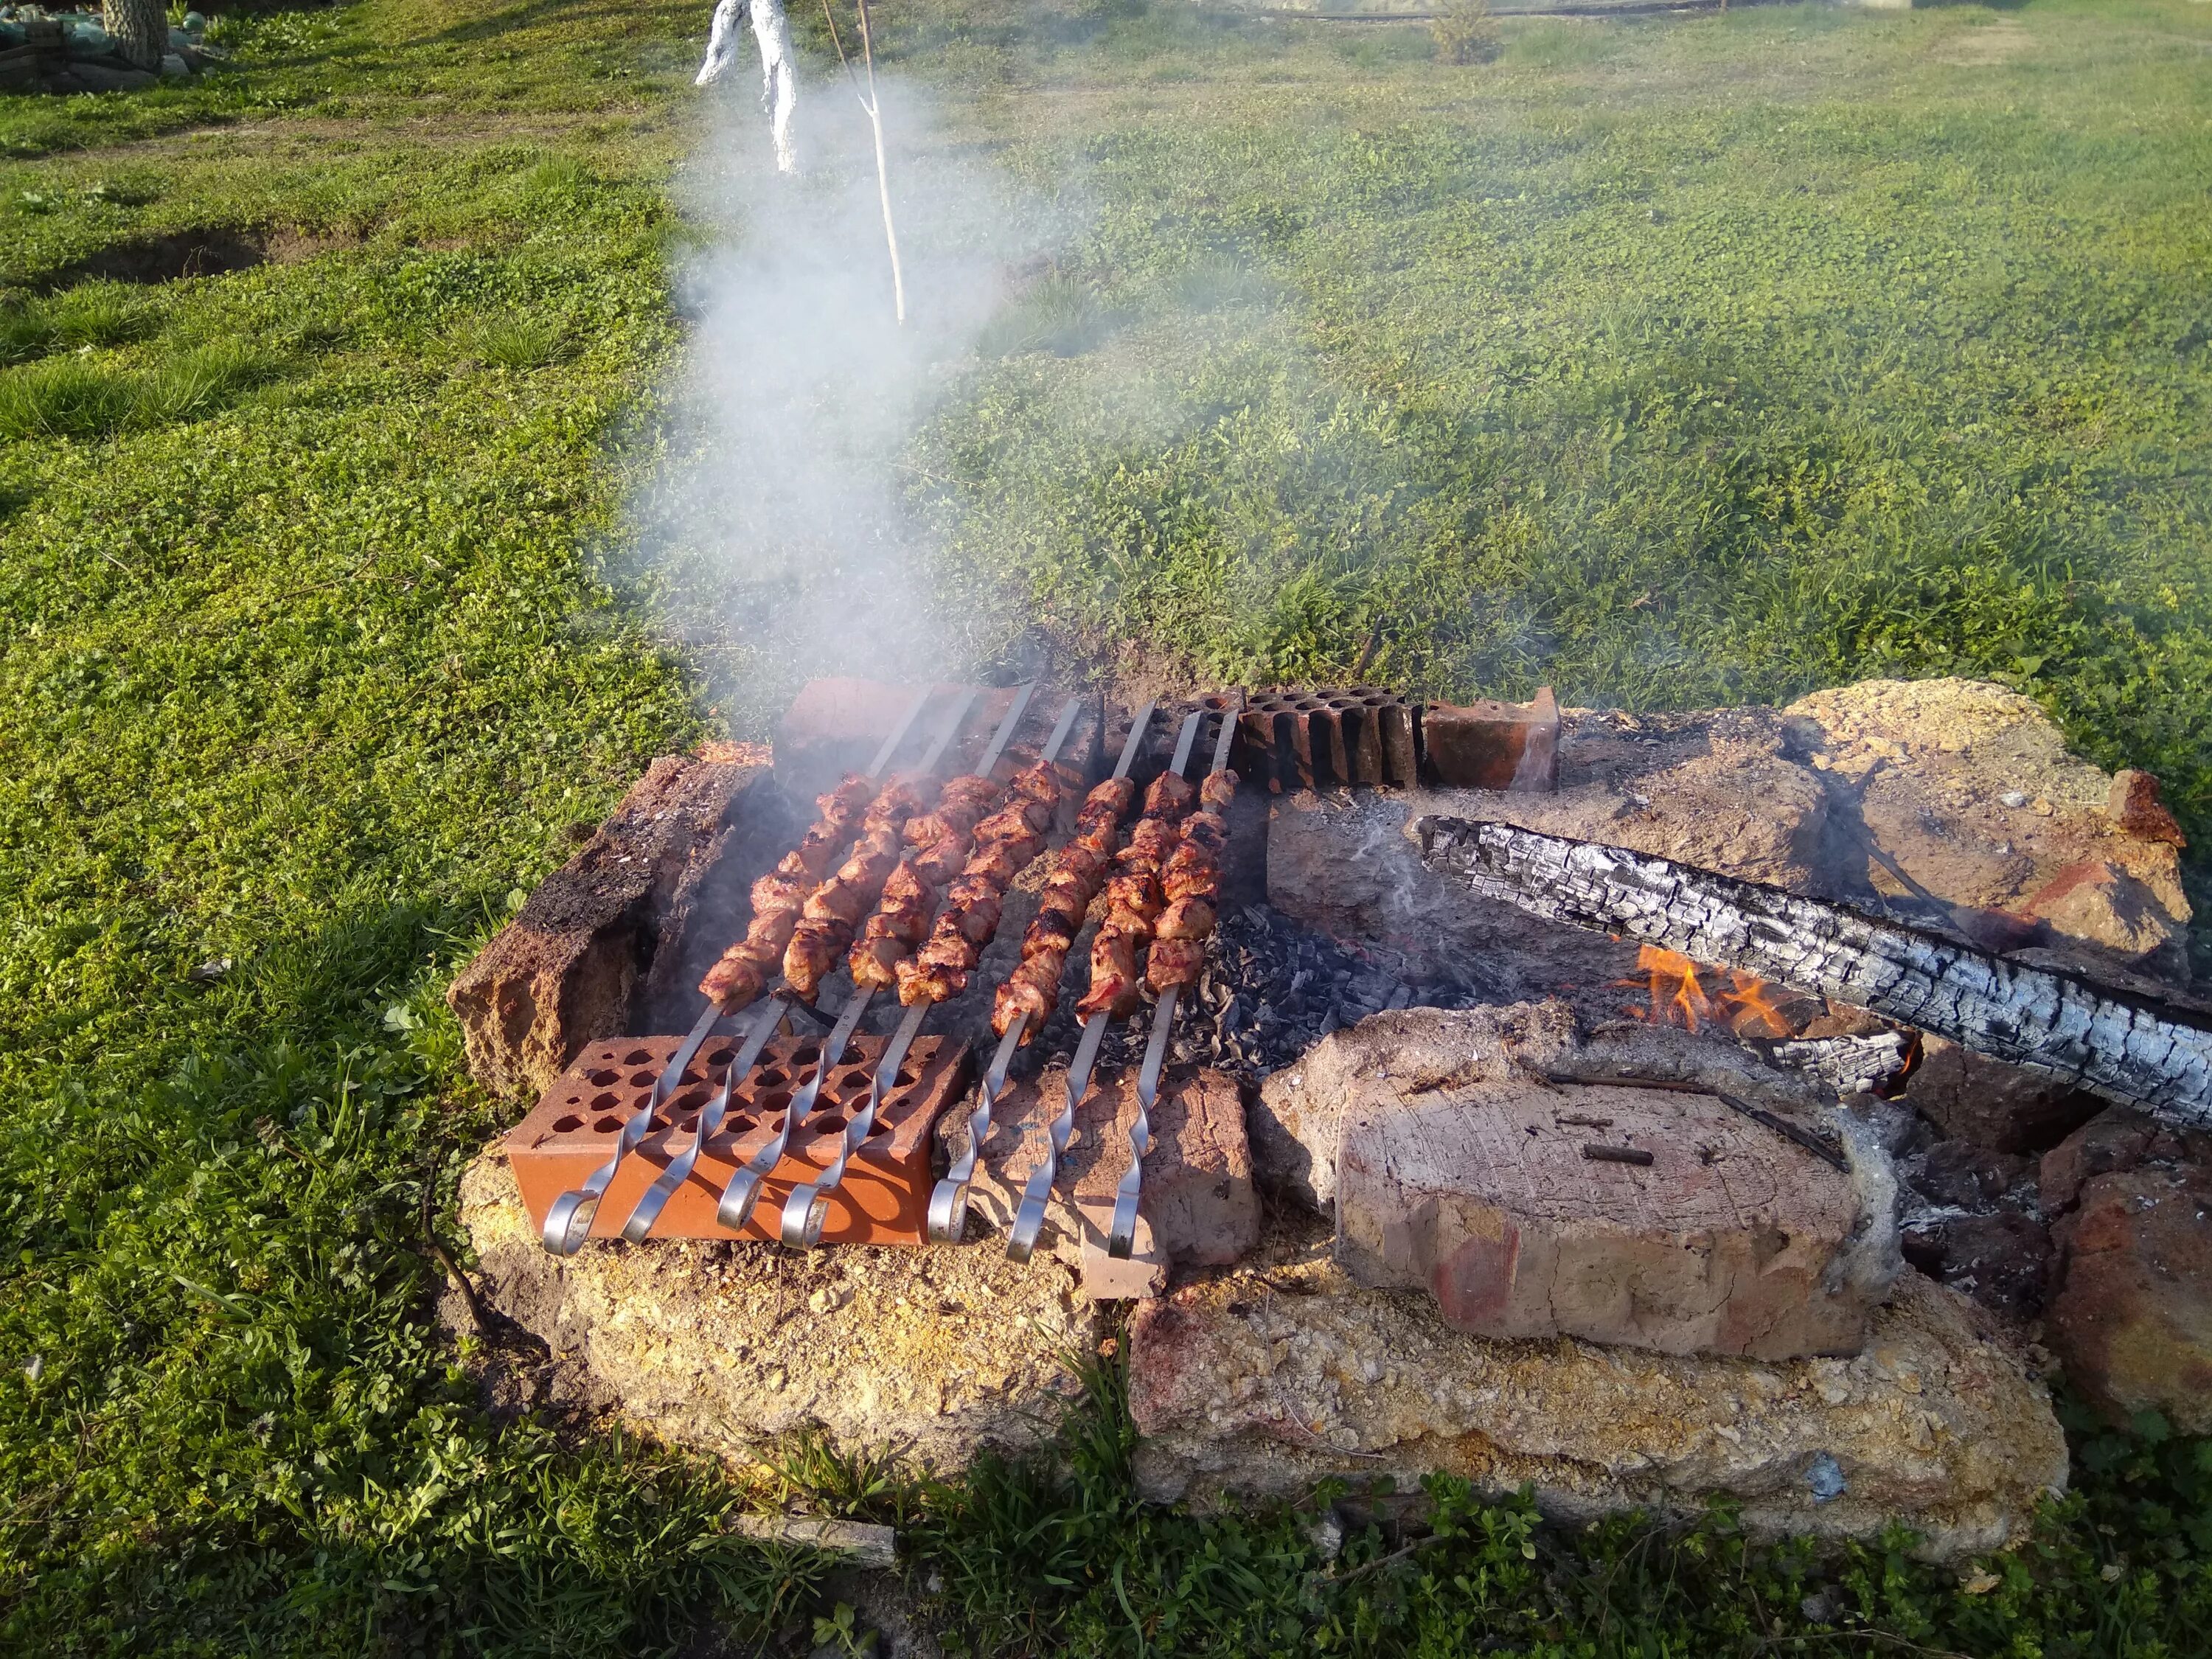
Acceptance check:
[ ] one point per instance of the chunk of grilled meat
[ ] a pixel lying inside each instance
(922, 982)
(939, 862)
(975, 918)
(1150, 844)
(1015, 821)
(1002, 861)
(1192, 871)
(1187, 918)
(1115, 797)
(1115, 986)
(967, 794)
(1133, 899)
(1169, 797)
(1208, 831)
(1048, 931)
(1040, 782)
(811, 956)
(777, 890)
(939, 971)
(875, 962)
(1174, 962)
(1032, 989)
(900, 800)
(1218, 789)
(740, 975)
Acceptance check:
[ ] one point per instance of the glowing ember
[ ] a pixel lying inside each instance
(1744, 1003)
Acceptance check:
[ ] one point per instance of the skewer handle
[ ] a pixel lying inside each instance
(948, 1199)
(807, 1210)
(745, 1188)
(1029, 1220)
(1121, 1237)
(655, 1198)
(569, 1219)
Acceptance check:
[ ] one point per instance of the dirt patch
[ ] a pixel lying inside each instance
(177, 257)
(1981, 47)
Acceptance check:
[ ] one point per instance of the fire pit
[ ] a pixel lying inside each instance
(1529, 1047)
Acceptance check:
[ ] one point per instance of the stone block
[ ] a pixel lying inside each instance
(921, 1356)
(1264, 1380)
(2116, 1139)
(1494, 745)
(2131, 1317)
(1199, 1200)
(2134, 803)
(1304, 1111)
(1653, 1219)
(570, 968)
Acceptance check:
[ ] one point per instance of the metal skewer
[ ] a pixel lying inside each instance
(1121, 1237)
(948, 1199)
(656, 1197)
(744, 1190)
(1029, 1219)
(569, 1220)
(807, 1209)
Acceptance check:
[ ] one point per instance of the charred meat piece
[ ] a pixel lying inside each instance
(842, 806)
(1209, 831)
(974, 920)
(967, 794)
(1116, 988)
(922, 982)
(1015, 821)
(1048, 931)
(736, 979)
(908, 886)
(940, 862)
(1174, 962)
(1191, 872)
(811, 956)
(777, 891)
(949, 947)
(1151, 843)
(842, 901)
(1218, 790)
(1001, 861)
(1169, 797)
(1098, 838)
(1187, 918)
(1115, 797)
(1132, 900)
(875, 962)
(1059, 915)
(899, 800)
(1032, 989)
(1040, 783)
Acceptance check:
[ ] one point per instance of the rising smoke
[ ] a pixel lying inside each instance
(774, 531)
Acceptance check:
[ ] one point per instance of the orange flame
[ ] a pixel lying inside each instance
(1746, 1005)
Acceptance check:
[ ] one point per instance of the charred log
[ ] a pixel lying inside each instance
(2124, 1048)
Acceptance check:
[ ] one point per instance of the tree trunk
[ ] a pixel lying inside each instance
(2124, 1048)
(141, 28)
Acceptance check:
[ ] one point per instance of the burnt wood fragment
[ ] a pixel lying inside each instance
(2124, 1048)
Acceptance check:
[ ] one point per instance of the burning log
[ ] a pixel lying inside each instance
(2124, 1048)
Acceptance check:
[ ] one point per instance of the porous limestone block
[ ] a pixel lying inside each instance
(1258, 1382)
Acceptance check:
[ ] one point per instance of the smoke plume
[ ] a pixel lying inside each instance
(773, 532)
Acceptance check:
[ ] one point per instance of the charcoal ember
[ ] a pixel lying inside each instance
(1968, 1177)
(2002, 1261)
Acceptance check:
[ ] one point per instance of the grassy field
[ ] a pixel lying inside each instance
(1668, 361)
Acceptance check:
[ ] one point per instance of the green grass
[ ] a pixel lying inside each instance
(1667, 360)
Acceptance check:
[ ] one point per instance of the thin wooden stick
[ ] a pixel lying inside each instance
(870, 102)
